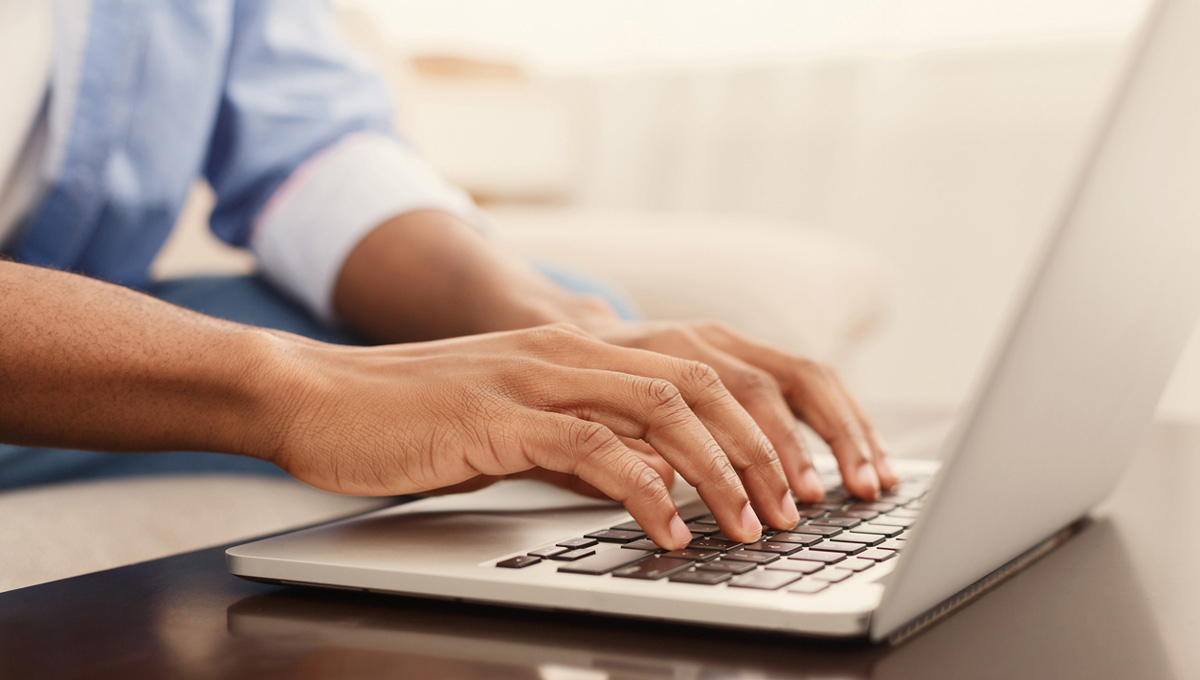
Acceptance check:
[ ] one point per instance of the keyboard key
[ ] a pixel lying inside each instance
(809, 513)
(856, 514)
(892, 544)
(905, 512)
(778, 548)
(628, 526)
(765, 580)
(693, 554)
(818, 556)
(702, 529)
(881, 529)
(654, 568)
(730, 566)
(710, 543)
(872, 505)
(856, 564)
(836, 575)
(616, 536)
(894, 521)
(743, 555)
(877, 555)
(843, 522)
(547, 552)
(518, 562)
(898, 496)
(836, 494)
(572, 555)
(604, 562)
(801, 539)
(799, 566)
(574, 543)
(808, 587)
(642, 544)
(840, 547)
(865, 539)
(816, 530)
(702, 577)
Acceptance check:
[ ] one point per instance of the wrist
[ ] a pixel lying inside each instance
(264, 369)
(427, 274)
(527, 299)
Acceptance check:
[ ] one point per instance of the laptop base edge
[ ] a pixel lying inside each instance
(985, 584)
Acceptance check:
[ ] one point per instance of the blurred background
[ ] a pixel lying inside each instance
(867, 181)
(864, 181)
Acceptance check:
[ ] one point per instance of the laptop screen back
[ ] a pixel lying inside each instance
(1088, 354)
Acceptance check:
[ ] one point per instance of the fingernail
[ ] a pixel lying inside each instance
(868, 479)
(679, 533)
(750, 522)
(788, 506)
(811, 488)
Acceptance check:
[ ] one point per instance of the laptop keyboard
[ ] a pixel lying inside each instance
(837, 540)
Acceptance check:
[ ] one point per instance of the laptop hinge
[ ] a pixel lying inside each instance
(985, 584)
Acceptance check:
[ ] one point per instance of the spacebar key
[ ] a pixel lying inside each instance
(604, 562)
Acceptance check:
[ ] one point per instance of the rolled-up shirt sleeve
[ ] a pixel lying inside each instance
(304, 158)
(330, 203)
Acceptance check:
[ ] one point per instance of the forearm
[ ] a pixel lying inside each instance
(428, 274)
(84, 364)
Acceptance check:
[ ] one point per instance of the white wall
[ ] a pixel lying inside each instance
(569, 35)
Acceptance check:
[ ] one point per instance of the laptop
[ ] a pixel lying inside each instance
(1038, 638)
(1073, 384)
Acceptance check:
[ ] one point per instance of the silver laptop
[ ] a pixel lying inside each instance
(1074, 384)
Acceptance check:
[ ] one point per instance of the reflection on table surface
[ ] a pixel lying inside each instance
(1079, 612)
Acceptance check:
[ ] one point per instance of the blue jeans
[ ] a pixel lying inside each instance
(245, 299)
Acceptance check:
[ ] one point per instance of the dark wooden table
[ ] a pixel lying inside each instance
(1121, 600)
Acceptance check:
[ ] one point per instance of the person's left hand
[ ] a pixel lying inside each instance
(775, 387)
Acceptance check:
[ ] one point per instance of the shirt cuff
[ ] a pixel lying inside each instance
(329, 204)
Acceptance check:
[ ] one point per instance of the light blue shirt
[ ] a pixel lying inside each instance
(262, 98)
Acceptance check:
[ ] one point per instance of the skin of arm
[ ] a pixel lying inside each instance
(611, 409)
(85, 364)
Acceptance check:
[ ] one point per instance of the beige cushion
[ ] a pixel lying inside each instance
(772, 279)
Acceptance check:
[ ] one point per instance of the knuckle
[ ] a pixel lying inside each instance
(680, 333)
(645, 483)
(714, 326)
(663, 394)
(553, 335)
(717, 467)
(812, 367)
(700, 375)
(587, 439)
(756, 382)
(847, 429)
(763, 452)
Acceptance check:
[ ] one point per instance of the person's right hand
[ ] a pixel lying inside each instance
(550, 401)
